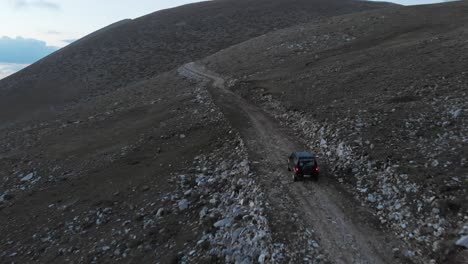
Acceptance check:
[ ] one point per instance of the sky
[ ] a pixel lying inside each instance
(32, 29)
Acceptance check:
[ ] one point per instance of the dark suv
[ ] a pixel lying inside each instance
(303, 165)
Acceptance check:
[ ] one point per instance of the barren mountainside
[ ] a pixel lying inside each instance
(382, 96)
(164, 139)
(130, 51)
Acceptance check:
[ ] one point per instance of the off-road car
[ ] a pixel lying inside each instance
(303, 165)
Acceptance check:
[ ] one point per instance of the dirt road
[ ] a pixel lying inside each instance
(345, 231)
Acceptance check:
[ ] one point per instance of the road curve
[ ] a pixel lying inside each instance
(341, 225)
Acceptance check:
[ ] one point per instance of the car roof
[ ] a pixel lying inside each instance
(304, 154)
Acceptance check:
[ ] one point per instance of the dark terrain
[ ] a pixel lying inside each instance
(382, 97)
(111, 150)
(134, 50)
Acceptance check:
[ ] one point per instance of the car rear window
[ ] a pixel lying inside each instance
(306, 162)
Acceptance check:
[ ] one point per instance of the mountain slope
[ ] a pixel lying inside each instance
(142, 48)
(103, 158)
(382, 97)
(140, 162)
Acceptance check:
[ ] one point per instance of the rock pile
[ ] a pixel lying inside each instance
(230, 204)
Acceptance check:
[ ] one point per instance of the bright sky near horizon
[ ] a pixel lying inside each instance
(32, 29)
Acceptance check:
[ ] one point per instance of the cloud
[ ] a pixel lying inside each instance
(53, 32)
(7, 69)
(69, 40)
(22, 50)
(23, 4)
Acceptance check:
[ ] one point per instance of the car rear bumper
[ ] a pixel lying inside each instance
(315, 175)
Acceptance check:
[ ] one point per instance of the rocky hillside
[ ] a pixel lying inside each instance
(108, 155)
(381, 96)
(112, 151)
(129, 51)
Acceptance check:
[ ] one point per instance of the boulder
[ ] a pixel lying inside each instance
(462, 242)
(183, 204)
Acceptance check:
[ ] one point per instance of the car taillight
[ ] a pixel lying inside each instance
(316, 169)
(297, 169)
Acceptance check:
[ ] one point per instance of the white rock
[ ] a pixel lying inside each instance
(244, 163)
(436, 246)
(183, 178)
(409, 253)
(183, 204)
(456, 113)
(105, 248)
(362, 190)
(463, 242)
(203, 212)
(323, 143)
(27, 177)
(314, 244)
(236, 234)
(226, 222)
(371, 198)
(261, 259)
(160, 212)
(340, 150)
